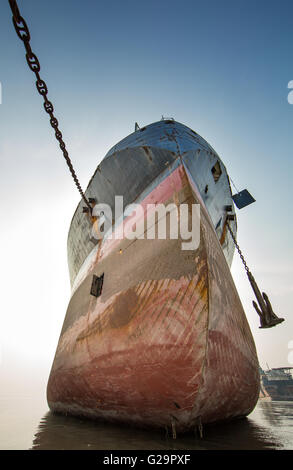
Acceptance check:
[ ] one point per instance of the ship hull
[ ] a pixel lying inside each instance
(167, 343)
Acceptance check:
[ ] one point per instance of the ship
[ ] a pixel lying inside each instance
(155, 335)
(277, 383)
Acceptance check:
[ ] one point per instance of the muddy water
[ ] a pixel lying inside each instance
(28, 424)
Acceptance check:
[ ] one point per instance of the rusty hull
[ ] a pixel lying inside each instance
(167, 341)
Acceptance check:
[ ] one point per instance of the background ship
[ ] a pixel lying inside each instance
(277, 383)
(164, 340)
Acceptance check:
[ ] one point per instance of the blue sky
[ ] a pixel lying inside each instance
(221, 68)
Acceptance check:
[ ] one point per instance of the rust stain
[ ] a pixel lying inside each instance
(123, 309)
(117, 315)
(148, 153)
(224, 233)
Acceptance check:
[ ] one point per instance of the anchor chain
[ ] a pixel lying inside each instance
(23, 33)
(268, 318)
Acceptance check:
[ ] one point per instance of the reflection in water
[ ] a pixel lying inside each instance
(270, 426)
(279, 416)
(269, 411)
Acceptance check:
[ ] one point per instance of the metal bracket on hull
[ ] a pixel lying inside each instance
(199, 427)
(97, 285)
(174, 434)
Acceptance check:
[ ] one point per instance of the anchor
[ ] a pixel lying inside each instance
(268, 318)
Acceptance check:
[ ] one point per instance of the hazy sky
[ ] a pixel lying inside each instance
(220, 67)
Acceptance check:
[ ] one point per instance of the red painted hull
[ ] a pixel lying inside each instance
(167, 341)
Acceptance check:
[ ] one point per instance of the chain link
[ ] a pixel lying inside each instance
(238, 248)
(14, 9)
(23, 33)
